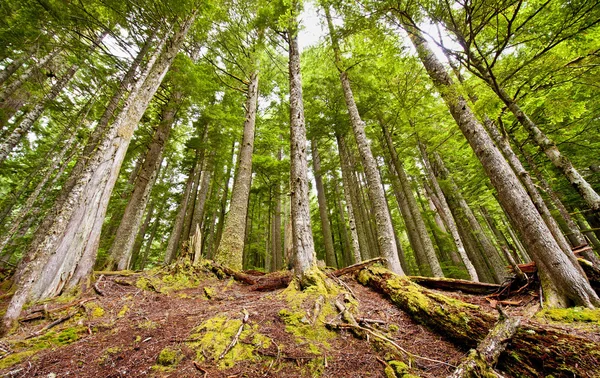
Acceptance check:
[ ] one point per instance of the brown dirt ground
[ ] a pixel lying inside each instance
(138, 324)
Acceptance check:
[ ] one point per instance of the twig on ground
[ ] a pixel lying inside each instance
(237, 335)
(357, 266)
(96, 288)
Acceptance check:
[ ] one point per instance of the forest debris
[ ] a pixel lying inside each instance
(467, 324)
(480, 361)
(51, 325)
(273, 281)
(238, 276)
(358, 266)
(453, 284)
(237, 335)
(96, 288)
(197, 366)
(39, 313)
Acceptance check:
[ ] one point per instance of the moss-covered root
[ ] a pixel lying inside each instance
(480, 361)
(534, 350)
(459, 321)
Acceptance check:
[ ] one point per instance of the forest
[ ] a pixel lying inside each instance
(237, 188)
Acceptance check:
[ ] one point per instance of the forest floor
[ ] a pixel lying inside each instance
(186, 322)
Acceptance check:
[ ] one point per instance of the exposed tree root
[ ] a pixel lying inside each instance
(481, 361)
(534, 349)
(452, 284)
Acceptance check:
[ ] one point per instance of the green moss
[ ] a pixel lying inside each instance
(51, 339)
(209, 292)
(108, 353)
(147, 324)
(389, 372)
(123, 311)
(95, 310)
(15, 358)
(169, 357)
(394, 328)
(569, 315)
(215, 335)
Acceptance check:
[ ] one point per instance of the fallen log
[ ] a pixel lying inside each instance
(221, 270)
(481, 361)
(452, 284)
(535, 350)
(356, 267)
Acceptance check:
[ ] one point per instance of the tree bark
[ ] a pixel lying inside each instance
(231, 248)
(304, 258)
(323, 212)
(65, 253)
(565, 282)
(385, 229)
(13, 86)
(415, 214)
(121, 250)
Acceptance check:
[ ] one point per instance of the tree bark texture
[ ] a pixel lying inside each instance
(121, 250)
(302, 240)
(231, 248)
(566, 281)
(323, 212)
(66, 252)
(425, 241)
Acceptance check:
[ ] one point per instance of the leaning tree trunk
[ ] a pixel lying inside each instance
(231, 247)
(122, 247)
(560, 161)
(65, 254)
(13, 66)
(565, 282)
(415, 214)
(14, 85)
(323, 213)
(303, 248)
(352, 198)
(12, 140)
(385, 229)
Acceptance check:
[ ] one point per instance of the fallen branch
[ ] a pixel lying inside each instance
(96, 288)
(356, 267)
(480, 361)
(273, 281)
(51, 325)
(237, 335)
(453, 284)
(238, 276)
(39, 313)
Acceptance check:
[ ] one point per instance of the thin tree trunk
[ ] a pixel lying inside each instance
(565, 281)
(353, 199)
(223, 206)
(13, 66)
(26, 208)
(276, 233)
(13, 86)
(302, 240)
(323, 212)
(175, 236)
(231, 247)
(415, 214)
(385, 230)
(65, 253)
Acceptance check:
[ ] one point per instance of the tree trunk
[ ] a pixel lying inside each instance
(304, 258)
(65, 254)
(385, 230)
(231, 248)
(527, 182)
(223, 206)
(175, 236)
(323, 212)
(276, 233)
(13, 66)
(565, 283)
(485, 247)
(416, 216)
(121, 250)
(28, 205)
(13, 86)
(560, 161)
